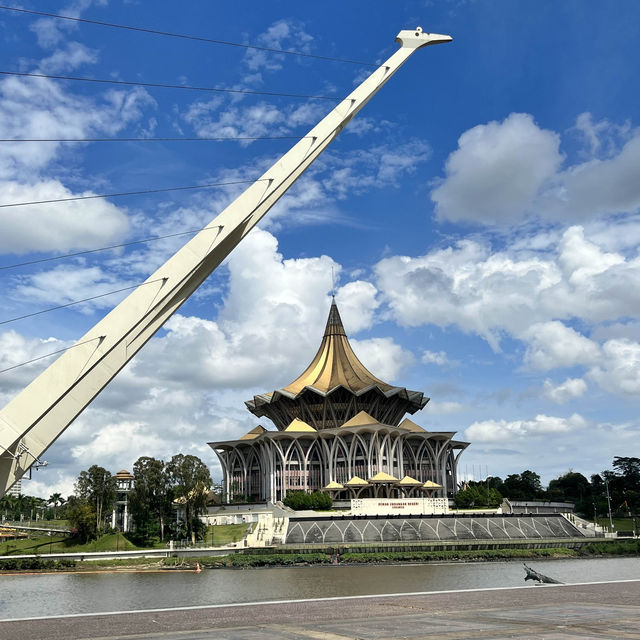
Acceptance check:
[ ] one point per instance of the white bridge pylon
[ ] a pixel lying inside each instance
(39, 414)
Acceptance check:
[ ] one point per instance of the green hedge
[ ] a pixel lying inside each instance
(250, 560)
(481, 554)
(35, 564)
(301, 500)
(617, 548)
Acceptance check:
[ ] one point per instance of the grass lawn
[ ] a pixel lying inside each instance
(58, 544)
(220, 534)
(40, 544)
(217, 535)
(619, 524)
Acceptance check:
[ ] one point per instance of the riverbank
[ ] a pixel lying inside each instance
(247, 560)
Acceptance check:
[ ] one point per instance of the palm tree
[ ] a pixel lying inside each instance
(8, 504)
(55, 499)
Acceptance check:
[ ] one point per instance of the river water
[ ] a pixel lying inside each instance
(55, 594)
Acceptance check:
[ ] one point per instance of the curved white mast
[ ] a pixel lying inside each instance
(37, 416)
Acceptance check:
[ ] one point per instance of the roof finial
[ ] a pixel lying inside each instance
(333, 284)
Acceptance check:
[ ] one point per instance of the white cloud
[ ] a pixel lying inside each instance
(504, 172)
(57, 226)
(58, 482)
(509, 290)
(503, 431)
(598, 187)
(35, 108)
(16, 349)
(434, 357)
(72, 56)
(445, 407)
(553, 344)
(357, 303)
(209, 119)
(618, 370)
(65, 284)
(568, 390)
(282, 34)
(113, 445)
(383, 357)
(270, 326)
(40, 108)
(497, 171)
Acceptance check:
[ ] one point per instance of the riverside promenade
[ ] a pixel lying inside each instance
(554, 612)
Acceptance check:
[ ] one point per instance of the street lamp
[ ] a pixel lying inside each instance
(606, 484)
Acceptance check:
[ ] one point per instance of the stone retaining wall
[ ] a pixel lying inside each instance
(444, 528)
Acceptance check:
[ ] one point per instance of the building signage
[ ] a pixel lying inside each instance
(409, 506)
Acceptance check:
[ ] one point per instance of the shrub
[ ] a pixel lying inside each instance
(35, 564)
(299, 500)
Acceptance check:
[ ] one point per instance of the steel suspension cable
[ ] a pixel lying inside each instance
(48, 355)
(131, 193)
(179, 139)
(159, 85)
(74, 302)
(185, 36)
(109, 248)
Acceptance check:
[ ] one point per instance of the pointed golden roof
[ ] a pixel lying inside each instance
(319, 393)
(298, 425)
(334, 486)
(335, 363)
(254, 433)
(408, 481)
(381, 476)
(431, 485)
(359, 420)
(356, 481)
(409, 425)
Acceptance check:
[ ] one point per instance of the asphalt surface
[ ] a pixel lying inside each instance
(552, 612)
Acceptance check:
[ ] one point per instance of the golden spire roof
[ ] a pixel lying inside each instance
(360, 419)
(334, 388)
(409, 425)
(254, 433)
(335, 364)
(299, 425)
(381, 476)
(356, 481)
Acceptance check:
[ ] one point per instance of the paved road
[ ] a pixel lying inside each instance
(554, 612)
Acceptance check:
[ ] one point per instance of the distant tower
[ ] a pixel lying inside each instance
(121, 516)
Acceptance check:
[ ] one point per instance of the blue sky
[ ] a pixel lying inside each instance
(480, 214)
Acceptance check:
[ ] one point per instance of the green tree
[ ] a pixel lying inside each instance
(151, 497)
(300, 500)
(9, 507)
(629, 470)
(495, 482)
(98, 487)
(477, 495)
(82, 518)
(571, 487)
(523, 486)
(190, 480)
(55, 499)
